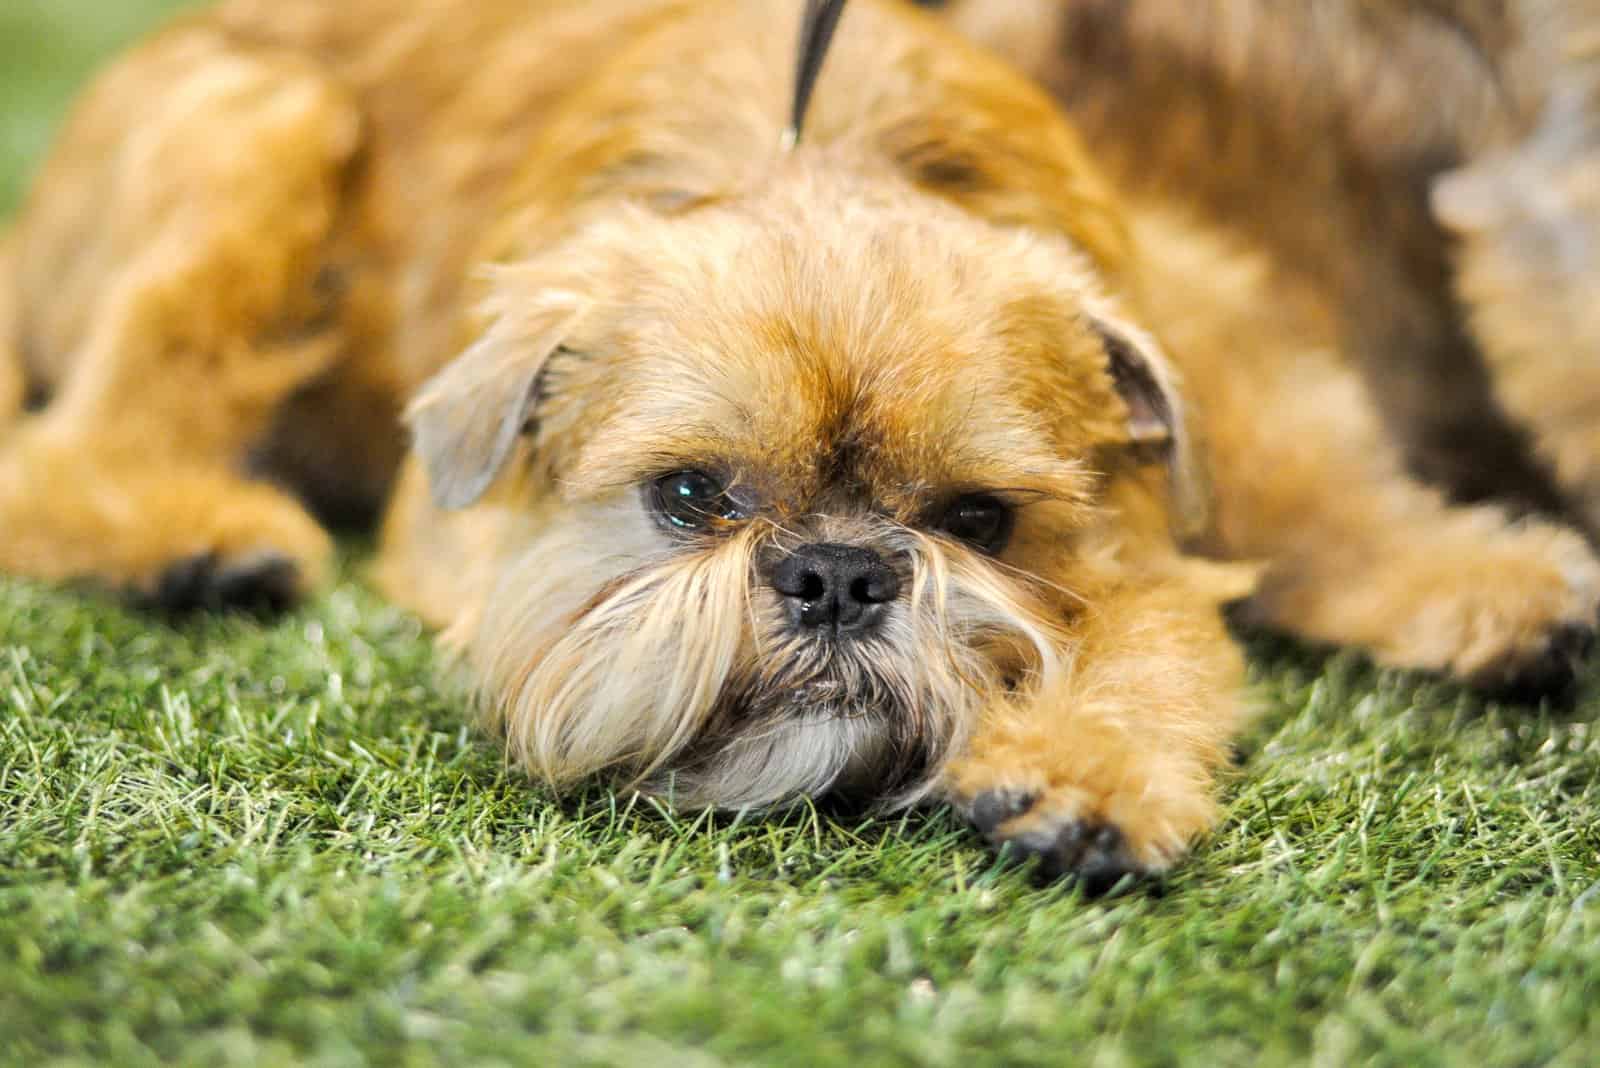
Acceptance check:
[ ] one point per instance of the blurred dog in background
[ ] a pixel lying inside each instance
(874, 466)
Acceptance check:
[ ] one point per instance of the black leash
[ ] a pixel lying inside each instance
(816, 33)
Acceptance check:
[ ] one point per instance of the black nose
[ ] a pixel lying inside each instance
(839, 586)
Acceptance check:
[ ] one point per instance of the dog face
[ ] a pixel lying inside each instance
(798, 485)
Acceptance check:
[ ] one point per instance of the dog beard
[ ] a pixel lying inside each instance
(682, 677)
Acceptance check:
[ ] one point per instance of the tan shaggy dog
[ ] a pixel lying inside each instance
(742, 472)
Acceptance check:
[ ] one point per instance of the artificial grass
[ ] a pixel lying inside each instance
(228, 841)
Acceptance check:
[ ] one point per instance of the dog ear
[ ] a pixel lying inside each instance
(1158, 426)
(466, 420)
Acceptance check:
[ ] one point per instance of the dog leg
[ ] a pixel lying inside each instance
(1362, 555)
(1507, 607)
(166, 284)
(1110, 771)
(1358, 552)
(173, 535)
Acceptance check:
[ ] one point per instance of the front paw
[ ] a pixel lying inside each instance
(1069, 833)
(1508, 609)
(1546, 663)
(263, 582)
(1093, 854)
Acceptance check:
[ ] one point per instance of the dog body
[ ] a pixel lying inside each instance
(858, 467)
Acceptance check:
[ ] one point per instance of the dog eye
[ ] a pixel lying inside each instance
(692, 500)
(980, 520)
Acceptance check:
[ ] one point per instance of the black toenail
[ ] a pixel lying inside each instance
(266, 583)
(1573, 640)
(993, 807)
(1092, 855)
(181, 587)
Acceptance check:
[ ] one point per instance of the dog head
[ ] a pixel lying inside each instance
(793, 484)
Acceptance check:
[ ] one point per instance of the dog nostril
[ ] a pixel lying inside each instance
(865, 591)
(812, 587)
(877, 586)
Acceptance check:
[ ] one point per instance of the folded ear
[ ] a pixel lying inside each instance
(466, 420)
(1157, 423)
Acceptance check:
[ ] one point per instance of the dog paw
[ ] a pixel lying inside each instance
(1524, 630)
(263, 582)
(1061, 836)
(1092, 854)
(1546, 666)
(991, 808)
(1509, 609)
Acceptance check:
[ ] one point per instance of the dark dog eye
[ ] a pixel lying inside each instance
(978, 519)
(691, 500)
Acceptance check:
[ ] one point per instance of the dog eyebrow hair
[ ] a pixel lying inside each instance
(816, 33)
(1022, 496)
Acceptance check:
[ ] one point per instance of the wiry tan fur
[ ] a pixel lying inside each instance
(1527, 212)
(568, 236)
(1356, 550)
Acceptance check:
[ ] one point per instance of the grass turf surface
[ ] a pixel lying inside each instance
(229, 842)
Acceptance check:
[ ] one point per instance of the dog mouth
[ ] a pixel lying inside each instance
(836, 698)
(841, 737)
(824, 685)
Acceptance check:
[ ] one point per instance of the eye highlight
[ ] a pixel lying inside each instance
(982, 520)
(691, 501)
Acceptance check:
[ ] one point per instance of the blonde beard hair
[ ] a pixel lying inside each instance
(677, 676)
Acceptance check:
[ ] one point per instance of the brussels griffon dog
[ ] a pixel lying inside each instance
(741, 470)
